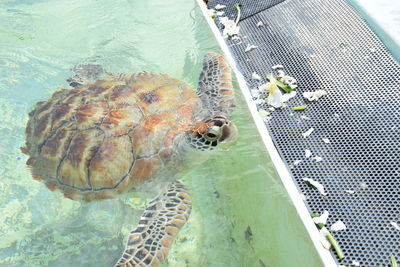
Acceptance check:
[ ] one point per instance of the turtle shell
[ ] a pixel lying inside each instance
(100, 139)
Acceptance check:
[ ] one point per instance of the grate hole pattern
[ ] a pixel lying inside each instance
(248, 7)
(325, 45)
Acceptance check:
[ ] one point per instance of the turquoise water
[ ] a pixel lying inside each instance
(241, 213)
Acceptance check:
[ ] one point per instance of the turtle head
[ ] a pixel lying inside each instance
(217, 101)
(213, 132)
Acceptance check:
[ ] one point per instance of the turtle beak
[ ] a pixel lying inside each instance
(229, 133)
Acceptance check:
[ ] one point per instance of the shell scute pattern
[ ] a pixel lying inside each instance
(53, 150)
(113, 161)
(122, 120)
(89, 115)
(100, 139)
(73, 169)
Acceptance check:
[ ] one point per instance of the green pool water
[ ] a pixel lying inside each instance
(241, 215)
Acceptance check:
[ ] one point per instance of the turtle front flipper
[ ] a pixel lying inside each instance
(149, 243)
(215, 86)
(85, 74)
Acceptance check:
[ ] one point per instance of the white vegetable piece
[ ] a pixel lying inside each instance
(288, 80)
(219, 7)
(255, 93)
(211, 13)
(308, 132)
(264, 87)
(326, 140)
(321, 219)
(313, 96)
(255, 76)
(305, 118)
(260, 24)
(297, 162)
(274, 96)
(266, 119)
(355, 263)
(259, 101)
(263, 113)
(280, 74)
(277, 67)
(338, 226)
(287, 96)
(250, 47)
(363, 185)
(322, 238)
(317, 158)
(230, 27)
(395, 225)
(349, 191)
(316, 184)
(307, 153)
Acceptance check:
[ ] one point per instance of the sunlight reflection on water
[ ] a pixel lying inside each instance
(40, 41)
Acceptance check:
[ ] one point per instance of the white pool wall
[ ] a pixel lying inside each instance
(287, 180)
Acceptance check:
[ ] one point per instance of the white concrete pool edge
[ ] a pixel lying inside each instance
(284, 174)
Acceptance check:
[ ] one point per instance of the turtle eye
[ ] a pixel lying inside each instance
(218, 123)
(211, 135)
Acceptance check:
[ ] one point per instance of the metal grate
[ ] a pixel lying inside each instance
(325, 45)
(252, 7)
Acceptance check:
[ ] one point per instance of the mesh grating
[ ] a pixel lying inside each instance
(325, 45)
(252, 7)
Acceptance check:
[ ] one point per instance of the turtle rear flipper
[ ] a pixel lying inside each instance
(215, 86)
(85, 74)
(149, 243)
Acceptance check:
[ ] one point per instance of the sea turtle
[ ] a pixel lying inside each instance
(131, 133)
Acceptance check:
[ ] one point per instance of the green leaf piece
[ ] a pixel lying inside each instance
(393, 261)
(314, 214)
(335, 245)
(284, 87)
(237, 6)
(299, 108)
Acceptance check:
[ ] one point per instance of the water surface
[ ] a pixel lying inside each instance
(241, 214)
